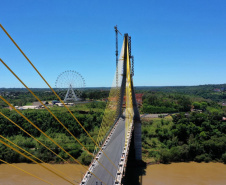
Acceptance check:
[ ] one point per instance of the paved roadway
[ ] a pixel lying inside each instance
(114, 151)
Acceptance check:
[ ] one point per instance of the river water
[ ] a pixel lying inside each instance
(186, 174)
(158, 174)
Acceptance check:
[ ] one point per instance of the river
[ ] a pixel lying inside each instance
(159, 174)
(186, 174)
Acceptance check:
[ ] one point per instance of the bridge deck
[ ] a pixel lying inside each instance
(114, 151)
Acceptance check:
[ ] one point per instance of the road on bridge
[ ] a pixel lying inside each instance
(113, 150)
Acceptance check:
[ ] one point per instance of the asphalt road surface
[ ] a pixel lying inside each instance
(114, 151)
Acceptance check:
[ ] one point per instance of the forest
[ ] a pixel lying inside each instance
(194, 129)
(90, 117)
(185, 137)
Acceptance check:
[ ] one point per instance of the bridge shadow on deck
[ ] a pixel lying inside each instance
(135, 169)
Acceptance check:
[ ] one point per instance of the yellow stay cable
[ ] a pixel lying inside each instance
(47, 136)
(51, 113)
(108, 115)
(55, 93)
(36, 157)
(33, 160)
(26, 172)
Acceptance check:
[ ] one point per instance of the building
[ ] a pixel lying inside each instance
(55, 101)
(26, 107)
(138, 97)
(217, 90)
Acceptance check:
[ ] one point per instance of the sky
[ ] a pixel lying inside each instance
(174, 42)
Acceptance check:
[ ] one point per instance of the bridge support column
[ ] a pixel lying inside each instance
(137, 140)
(137, 128)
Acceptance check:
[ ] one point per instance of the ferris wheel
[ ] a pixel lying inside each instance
(69, 85)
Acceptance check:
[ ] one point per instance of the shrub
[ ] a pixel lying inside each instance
(153, 153)
(224, 158)
(203, 157)
(85, 158)
(165, 157)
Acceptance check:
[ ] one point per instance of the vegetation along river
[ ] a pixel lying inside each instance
(159, 174)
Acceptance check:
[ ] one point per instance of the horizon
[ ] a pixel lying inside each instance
(111, 87)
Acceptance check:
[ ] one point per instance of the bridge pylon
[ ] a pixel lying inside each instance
(136, 115)
(120, 131)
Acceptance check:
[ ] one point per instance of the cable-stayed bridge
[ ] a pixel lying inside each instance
(120, 130)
